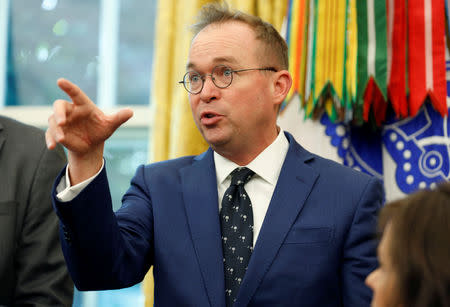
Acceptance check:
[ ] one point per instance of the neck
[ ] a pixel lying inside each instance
(243, 154)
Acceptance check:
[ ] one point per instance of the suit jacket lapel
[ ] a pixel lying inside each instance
(293, 187)
(202, 208)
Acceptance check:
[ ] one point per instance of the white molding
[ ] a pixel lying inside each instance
(38, 116)
(4, 19)
(108, 53)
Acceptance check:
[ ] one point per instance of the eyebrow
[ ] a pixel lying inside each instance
(218, 60)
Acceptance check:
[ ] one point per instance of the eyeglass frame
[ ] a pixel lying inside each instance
(203, 77)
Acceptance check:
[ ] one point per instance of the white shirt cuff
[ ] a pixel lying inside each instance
(66, 192)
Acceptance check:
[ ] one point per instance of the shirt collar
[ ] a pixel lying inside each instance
(266, 165)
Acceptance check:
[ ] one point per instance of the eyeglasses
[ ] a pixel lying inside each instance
(221, 76)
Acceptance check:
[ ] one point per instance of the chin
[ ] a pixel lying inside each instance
(214, 138)
(215, 143)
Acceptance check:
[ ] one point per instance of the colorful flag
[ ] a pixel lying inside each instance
(372, 61)
(329, 55)
(447, 13)
(351, 76)
(308, 102)
(396, 56)
(297, 39)
(426, 51)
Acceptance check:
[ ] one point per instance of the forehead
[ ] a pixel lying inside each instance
(223, 43)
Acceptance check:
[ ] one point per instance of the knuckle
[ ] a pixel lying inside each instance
(59, 137)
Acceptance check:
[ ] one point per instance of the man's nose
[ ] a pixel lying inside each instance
(210, 90)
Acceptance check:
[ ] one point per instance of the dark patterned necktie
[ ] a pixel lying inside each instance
(236, 219)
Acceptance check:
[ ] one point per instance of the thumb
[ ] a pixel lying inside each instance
(120, 117)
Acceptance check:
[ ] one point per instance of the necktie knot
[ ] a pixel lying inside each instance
(241, 176)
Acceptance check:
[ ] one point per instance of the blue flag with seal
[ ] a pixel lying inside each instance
(407, 154)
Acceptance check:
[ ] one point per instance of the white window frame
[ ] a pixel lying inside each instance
(38, 115)
(107, 77)
(4, 22)
(106, 89)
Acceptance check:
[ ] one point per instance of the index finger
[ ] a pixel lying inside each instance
(75, 93)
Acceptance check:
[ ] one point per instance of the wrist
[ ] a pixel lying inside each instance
(84, 166)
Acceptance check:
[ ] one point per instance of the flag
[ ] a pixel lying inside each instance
(426, 51)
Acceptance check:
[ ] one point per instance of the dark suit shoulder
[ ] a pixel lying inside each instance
(342, 179)
(168, 172)
(172, 165)
(14, 128)
(26, 142)
(338, 169)
(330, 170)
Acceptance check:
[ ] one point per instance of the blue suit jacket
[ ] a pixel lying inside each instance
(315, 247)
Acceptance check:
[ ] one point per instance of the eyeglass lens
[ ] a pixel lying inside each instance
(221, 76)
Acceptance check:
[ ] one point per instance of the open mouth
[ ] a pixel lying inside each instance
(209, 118)
(208, 114)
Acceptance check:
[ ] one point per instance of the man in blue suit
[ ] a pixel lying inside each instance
(311, 220)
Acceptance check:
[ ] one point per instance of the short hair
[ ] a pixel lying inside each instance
(274, 46)
(420, 246)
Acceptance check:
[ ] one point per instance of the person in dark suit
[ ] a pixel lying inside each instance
(256, 220)
(32, 267)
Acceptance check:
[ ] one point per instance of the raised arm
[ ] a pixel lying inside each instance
(82, 128)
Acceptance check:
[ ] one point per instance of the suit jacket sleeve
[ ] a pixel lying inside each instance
(359, 257)
(116, 246)
(42, 276)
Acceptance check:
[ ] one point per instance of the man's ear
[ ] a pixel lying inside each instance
(282, 83)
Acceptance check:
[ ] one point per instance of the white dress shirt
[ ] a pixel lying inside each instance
(67, 192)
(267, 167)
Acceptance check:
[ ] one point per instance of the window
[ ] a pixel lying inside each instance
(105, 47)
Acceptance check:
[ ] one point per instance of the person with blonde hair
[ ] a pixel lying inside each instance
(414, 252)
